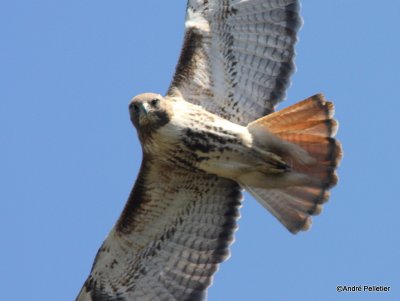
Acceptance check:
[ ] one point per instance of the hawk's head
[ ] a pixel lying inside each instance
(149, 112)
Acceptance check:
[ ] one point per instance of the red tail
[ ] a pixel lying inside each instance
(310, 125)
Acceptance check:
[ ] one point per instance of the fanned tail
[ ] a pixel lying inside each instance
(303, 135)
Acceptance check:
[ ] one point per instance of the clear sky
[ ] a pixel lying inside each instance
(69, 154)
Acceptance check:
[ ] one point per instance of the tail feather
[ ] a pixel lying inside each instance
(308, 194)
(323, 149)
(291, 213)
(310, 127)
(328, 128)
(313, 108)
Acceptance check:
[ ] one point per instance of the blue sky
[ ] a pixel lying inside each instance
(69, 154)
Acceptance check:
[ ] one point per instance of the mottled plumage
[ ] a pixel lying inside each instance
(205, 141)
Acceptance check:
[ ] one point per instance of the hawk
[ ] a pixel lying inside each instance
(212, 135)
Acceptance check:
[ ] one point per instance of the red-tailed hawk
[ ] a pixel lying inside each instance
(212, 135)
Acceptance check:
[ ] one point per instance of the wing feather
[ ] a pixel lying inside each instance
(237, 56)
(174, 231)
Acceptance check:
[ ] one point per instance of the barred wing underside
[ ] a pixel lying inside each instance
(237, 56)
(174, 231)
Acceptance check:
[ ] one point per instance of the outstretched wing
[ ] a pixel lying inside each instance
(174, 231)
(237, 56)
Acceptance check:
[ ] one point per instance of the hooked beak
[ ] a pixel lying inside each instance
(138, 109)
(143, 109)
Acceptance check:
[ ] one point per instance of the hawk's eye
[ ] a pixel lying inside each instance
(154, 102)
(135, 107)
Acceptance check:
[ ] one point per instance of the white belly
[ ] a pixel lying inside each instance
(195, 138)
